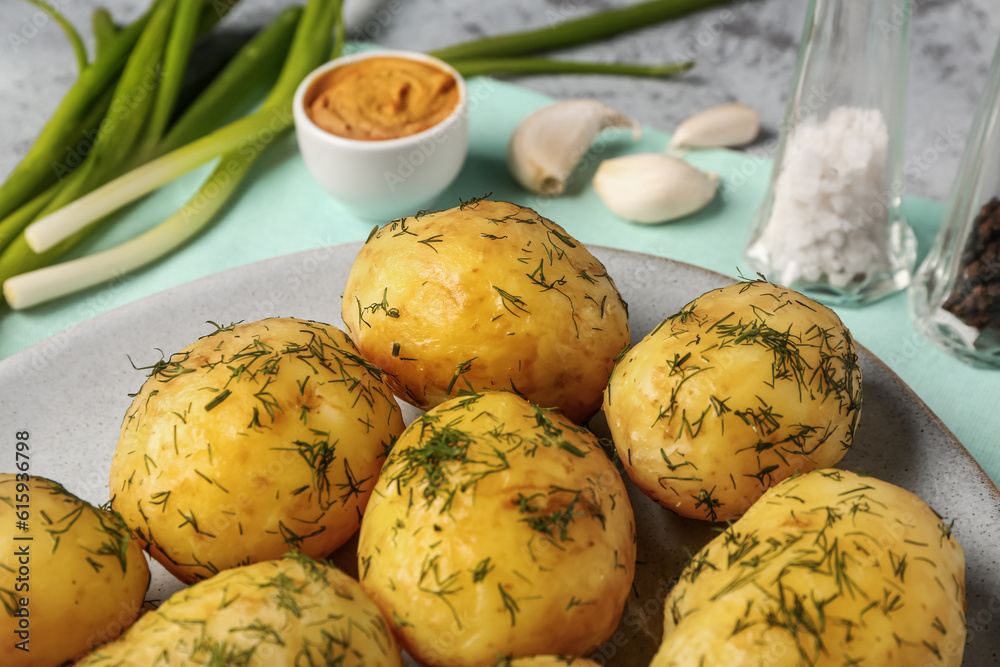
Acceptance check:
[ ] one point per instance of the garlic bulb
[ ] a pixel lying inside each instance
(653, 187)
(725, 125)
(549, 143)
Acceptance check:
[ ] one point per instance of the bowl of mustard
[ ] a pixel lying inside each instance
(384, 132)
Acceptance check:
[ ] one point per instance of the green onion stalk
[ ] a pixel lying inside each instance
(104, 29)
(478, 67)
(239, 80)
(15, 222)
(135, 94)
(70, 122)
(309, 49)
(64, 219)
(574, 32)
(85, 104)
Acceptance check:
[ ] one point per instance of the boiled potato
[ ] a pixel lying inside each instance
(73, 579)
(256, 440)
(488, 295)
(497, 528)
(289, 612)
(745, 386)
(825, 570)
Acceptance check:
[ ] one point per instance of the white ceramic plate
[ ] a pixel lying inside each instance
(70, 392)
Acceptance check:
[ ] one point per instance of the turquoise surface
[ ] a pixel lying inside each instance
(281, 209)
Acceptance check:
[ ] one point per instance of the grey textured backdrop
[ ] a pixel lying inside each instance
(750, 60)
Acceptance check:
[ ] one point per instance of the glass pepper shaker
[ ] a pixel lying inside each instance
(831, 222)
(955, 296)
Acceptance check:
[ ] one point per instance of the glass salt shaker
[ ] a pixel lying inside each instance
(831, 223)
(955, 295)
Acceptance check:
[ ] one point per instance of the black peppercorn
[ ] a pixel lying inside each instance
(975, 298)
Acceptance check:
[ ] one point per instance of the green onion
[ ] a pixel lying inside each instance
(65, 129)
(255, 65)
(183, 29)
(104, 29)
(470, 68)
(308, 51)
(116, 138)
(339, 33)
(139, 182)
(87, 131)
(575, 31)
(135, 96)
(213, 12)
(13, 224)
(227, 91)
(34, 173)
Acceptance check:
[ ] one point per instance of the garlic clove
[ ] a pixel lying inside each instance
(548, 144)
(653, 187)
(723, 126)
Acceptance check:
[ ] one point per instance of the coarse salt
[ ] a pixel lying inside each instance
(827, 221)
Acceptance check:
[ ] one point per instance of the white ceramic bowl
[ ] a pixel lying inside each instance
(384, 179)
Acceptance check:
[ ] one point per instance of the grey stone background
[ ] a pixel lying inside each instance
(751, 60)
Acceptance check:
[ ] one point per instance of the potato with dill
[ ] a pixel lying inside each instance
(827, 569)
(286, 613)
(256, 440)
(743, 387)
(487, 295)
(71, 577)
(497, 528)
